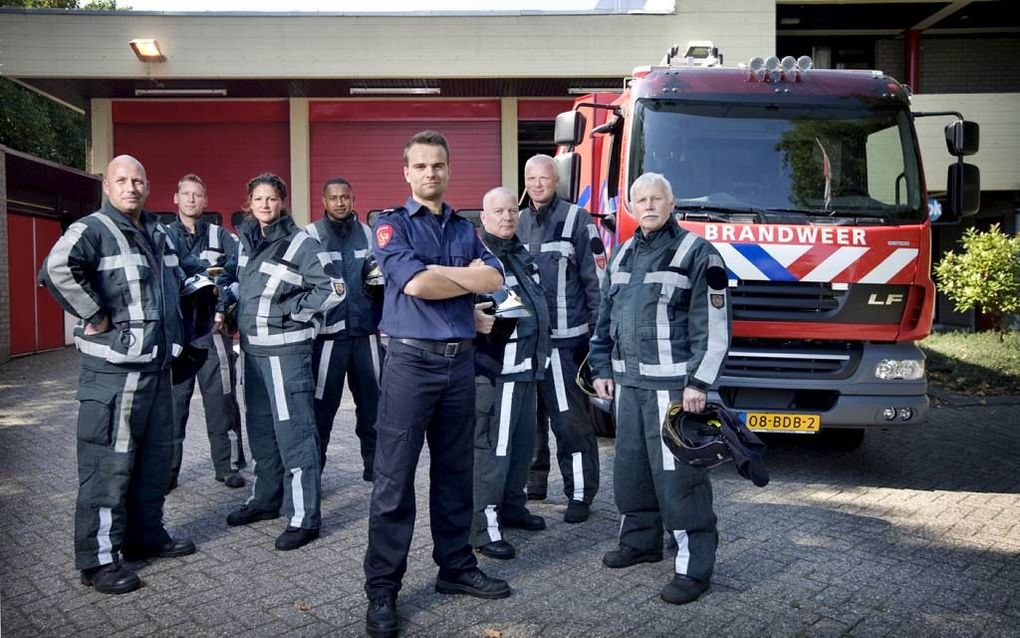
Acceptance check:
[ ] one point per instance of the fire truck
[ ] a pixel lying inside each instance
(809, 183)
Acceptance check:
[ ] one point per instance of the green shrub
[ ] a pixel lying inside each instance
(985, 276)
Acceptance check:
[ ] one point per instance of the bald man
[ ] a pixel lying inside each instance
(117, 271)
(509, 360)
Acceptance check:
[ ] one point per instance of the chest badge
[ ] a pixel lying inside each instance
(383, 235)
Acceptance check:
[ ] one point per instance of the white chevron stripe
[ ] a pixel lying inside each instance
(738, 264)
(888, 268)
(835, 264)
(786, 254)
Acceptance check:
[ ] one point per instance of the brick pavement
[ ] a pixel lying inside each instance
(917, 533)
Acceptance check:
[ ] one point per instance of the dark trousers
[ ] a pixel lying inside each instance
(216, 381)
(654, 491)
(425, 396)
(504, 444)
(564, 406)
(281, 435)
(124, 446)
(357, 359)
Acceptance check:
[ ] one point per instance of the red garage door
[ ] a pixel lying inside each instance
(37, 322)
(362, 141)
(224, 143)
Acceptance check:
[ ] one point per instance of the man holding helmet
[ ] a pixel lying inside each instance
(662, 335)
(510, 357)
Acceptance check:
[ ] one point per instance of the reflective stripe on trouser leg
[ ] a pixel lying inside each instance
(127, 399)
(662, 401)
(103, 536)
(578, 476)
(280, 403)
(557, 370)
(323, 370)
(492, 526)
(505, 412)
(221, 356)
(683, 551)
(298, 494)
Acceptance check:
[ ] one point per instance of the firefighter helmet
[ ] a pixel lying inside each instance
(696, 438)
(586, 378)
(506, 304)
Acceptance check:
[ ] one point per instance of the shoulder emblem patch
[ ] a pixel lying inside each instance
(338, 288)
(383, 235)
(600, 261)
(717, 300)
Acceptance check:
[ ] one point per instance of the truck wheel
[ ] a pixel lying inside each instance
(601, 422)
(844, 439)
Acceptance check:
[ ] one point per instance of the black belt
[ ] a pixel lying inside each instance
(443, 348)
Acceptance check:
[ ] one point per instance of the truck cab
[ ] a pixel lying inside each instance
(809, 183)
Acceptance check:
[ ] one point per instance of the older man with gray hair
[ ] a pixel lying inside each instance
(571, 260)
(662, 335)
(510, 357)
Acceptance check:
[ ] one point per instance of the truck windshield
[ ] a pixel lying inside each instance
(822, 161)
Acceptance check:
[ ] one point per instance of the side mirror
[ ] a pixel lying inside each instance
(964, 182)
(568, 169)
(962, 137)
(569, 129)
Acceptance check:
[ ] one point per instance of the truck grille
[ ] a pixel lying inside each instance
(750, 358)
(772, 300)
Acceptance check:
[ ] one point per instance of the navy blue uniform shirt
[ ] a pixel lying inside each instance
(405, 241)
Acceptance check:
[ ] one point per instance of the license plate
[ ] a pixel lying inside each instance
(782, 422)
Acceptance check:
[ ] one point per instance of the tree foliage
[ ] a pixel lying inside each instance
(34, 124)
(986, 275)
(30, 122)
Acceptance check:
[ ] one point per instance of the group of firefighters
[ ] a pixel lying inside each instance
(406, 312)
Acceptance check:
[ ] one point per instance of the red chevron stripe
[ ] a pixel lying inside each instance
(807, 262)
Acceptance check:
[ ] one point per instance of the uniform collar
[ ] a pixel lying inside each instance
(280, 229)
(670, 230)
(549, 207)
(499, 245)
(200, 225)
(413, 208)
(149, 221)
(341, 226)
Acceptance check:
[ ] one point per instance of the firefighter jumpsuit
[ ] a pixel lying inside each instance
(280, 285)
(105, 267)
(571, 260)
(210, 244)
(664, 324)
(506, 400)
(347, 345)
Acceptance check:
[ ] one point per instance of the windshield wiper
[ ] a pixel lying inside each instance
(834, 217)
(717, 212)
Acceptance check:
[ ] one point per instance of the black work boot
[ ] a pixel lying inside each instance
(683, 589)
(577, 512)
(501, 550)
(381, 618)
(294, 537)
(173, 548)
(246, 515)
(627, 556)
(231, 479)
(473, 582)
(112, 578)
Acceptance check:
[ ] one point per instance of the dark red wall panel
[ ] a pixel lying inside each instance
(225, 153)
(369, 154)
(20, 253)
(542, 110)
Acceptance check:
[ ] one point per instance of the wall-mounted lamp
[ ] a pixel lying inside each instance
(394, 90)
(147, 50)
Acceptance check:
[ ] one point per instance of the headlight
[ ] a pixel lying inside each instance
(907, 369)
